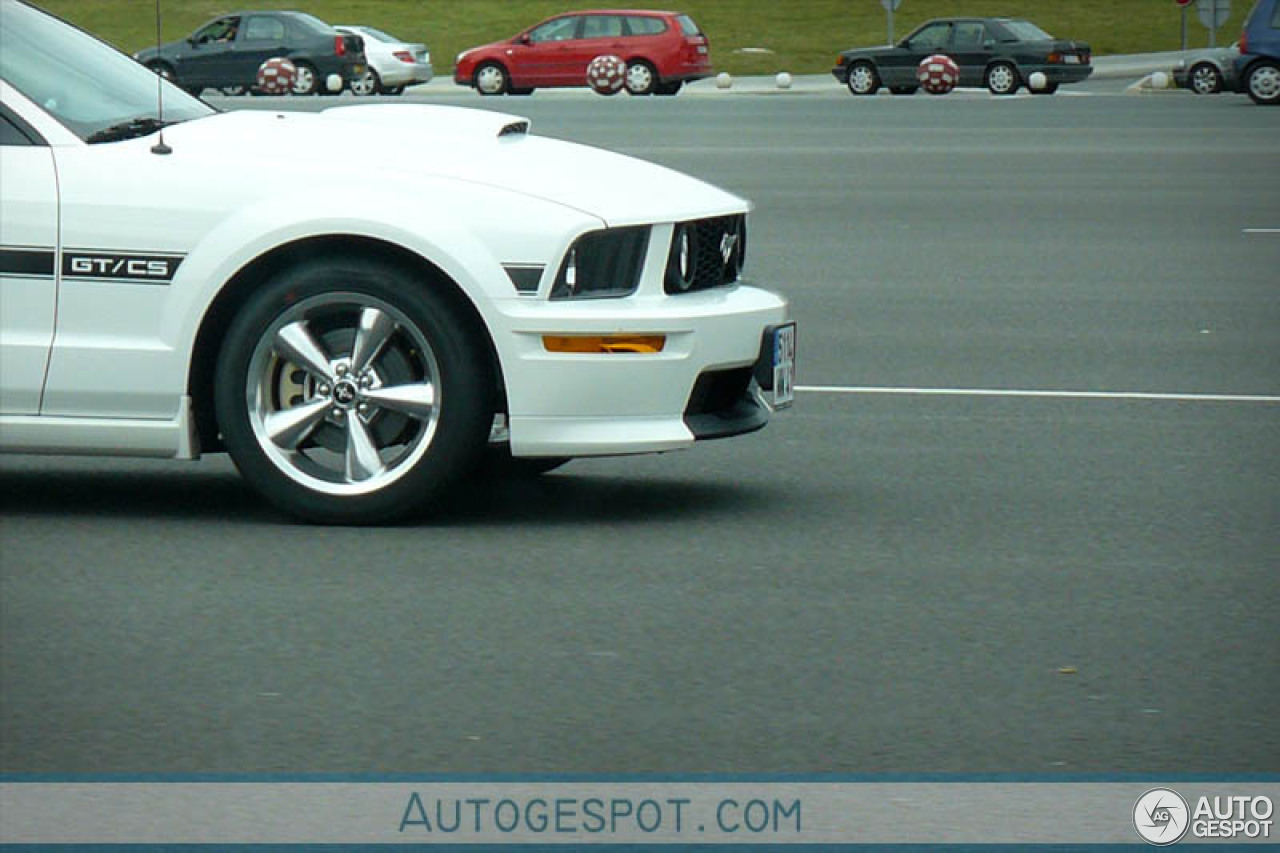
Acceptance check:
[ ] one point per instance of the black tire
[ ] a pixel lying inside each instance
(393, 90)
(307, 81)
(1204, 78)
(1262, 82)
(521, 92)
(863, 79)
(367, 84)
(669, 89)
(1049, 89)
(164, 69)
(1002, 78)
(491, 79)
(641, 77)
(234, 91)
(904, 90)
(349, 392)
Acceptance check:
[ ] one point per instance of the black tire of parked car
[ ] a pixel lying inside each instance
(1002, 78)
(1262, 82)
(1204, 78)
(308, 80)
(669, 89)
(904, 90)
(1049, 89)
(350, 391)
(491, 78)
(863, 79)
(641, 77)
(368, 83)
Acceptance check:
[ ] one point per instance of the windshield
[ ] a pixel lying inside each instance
(82, 82)
(1026, 31)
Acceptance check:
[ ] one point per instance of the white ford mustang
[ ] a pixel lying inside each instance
(177, 280)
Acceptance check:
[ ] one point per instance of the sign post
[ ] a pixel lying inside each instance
(1183, 4)
(890, 6)
(1213, 14)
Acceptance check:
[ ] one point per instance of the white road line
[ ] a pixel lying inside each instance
(1060, 395)
(1262, 230)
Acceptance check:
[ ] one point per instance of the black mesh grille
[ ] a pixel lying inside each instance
(706, 253)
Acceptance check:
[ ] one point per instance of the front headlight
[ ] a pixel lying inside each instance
(603, 264)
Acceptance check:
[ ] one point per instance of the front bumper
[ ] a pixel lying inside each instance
(702, 385)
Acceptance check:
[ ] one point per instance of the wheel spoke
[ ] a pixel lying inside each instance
(295, 344)
(375, 328)
(416, 400)
(290, 427)
(363, 461)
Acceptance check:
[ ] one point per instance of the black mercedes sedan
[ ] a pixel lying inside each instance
(226, 52)
(1001, 54)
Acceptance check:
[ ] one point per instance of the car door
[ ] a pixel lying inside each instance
(971, 49)
(210, 59)
(28, 253)
(601, 35)
(261, 37)
(898, 66)
(541, 58)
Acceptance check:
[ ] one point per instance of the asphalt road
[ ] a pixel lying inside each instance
(913, 571)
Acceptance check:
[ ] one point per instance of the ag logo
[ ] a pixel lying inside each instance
(1161, 816)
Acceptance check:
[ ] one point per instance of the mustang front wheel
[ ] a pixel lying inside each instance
(349, 392)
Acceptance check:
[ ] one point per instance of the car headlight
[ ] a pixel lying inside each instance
(603, 264)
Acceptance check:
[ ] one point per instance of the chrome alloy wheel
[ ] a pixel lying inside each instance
(343, 394)
(305, 81)
(366, 84)
(1002, 79)
(863, 80)
(1205, 79)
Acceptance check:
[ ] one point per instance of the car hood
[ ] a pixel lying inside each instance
(389, 146)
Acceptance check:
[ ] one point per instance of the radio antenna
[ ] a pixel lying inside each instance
(160, 147)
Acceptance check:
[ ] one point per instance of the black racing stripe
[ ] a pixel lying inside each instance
(26, 262)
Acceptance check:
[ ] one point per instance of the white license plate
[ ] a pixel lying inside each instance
(1071, 59)
(784, 365)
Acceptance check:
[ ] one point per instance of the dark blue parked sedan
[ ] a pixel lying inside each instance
(226, 52)
(998, 53)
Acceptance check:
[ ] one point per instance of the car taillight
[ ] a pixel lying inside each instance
(340, 45)
(1053, 57)
(404, 56)
(1244, 42)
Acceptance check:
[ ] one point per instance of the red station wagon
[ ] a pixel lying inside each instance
(662, 50)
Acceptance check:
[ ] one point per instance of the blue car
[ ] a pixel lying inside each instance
(1258, 68)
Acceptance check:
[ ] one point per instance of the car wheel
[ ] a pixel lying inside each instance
(523, 91)
(366, 84)
(164, 69)
(1002, 79)
(1263, 83)
(234, 91)
(491, 79)
(669, 89)
(307, 81)
(904, 90)
(393, 90)
(863, 79)
(1204, 79)
(348, 391)
(641, 78)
